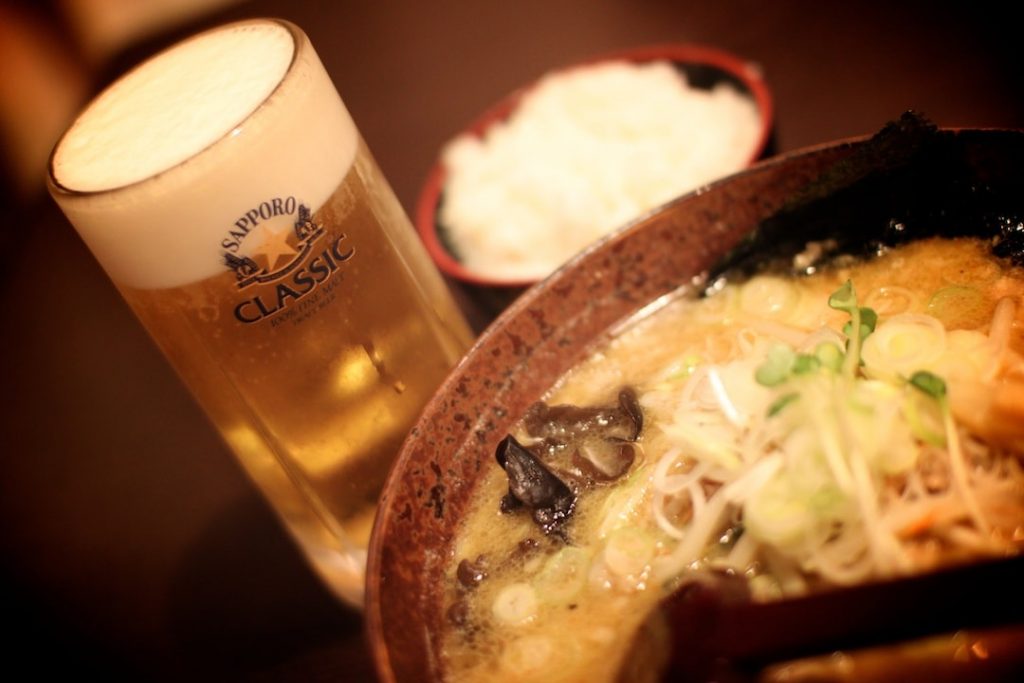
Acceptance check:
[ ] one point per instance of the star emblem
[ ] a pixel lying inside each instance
(273, 245)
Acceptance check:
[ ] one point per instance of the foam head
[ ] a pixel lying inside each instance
(163, 163)
(173, 107)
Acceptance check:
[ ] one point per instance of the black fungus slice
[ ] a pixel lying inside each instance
(587, 444)
(458, 613)
(470, 574)
(563, 424)
(534, 486)
(630, 405)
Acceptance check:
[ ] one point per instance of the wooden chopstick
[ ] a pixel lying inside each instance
(715, 620)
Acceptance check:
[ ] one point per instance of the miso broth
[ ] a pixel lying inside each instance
(860, 422)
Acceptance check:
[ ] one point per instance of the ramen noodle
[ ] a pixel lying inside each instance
(861, 422)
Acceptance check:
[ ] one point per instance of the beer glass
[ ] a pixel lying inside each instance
(225, 189)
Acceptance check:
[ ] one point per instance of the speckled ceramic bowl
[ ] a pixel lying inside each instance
(552, 326)
(704, 67)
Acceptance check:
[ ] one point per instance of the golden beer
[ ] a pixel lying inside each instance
(276, 270)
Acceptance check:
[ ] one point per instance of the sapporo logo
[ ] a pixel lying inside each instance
(280, 266)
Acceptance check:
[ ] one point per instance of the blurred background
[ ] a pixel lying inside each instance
(131, 544)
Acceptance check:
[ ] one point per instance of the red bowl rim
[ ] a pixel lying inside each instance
(746, 71)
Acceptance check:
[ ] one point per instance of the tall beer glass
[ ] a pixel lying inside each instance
(226, 191)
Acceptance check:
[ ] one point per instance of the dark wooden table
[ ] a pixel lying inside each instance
(131, 543)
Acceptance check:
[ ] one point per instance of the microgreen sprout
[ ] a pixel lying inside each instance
(930, 384)
(935, 386)
(829, 355)
(868, 320)
(862, 323)
(782, 363)
(777, 366)
(844, 298)
(805, 363)
(778, 404)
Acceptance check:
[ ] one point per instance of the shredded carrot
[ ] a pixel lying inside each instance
(919, 526)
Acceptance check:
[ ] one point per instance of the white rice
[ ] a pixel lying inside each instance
(585, 152)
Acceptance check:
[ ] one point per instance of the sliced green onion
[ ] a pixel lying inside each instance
(777, 515)
(958, 306)
(629, 551)
(969, 355)
(533, 655)
(685, 368)
(563, 576)
(904, 344)
(515, 604)
(624, 502)
(770, 297)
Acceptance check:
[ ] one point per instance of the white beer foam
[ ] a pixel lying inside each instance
(158, 169)
(163, 113)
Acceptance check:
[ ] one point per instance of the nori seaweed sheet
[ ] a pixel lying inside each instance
(910, 181)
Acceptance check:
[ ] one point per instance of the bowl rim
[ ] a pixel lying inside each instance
(748, 72)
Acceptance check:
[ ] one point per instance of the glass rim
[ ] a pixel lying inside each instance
(300, 44)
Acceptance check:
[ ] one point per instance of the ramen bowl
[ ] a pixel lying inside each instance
(909, 178)
(704, 69)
